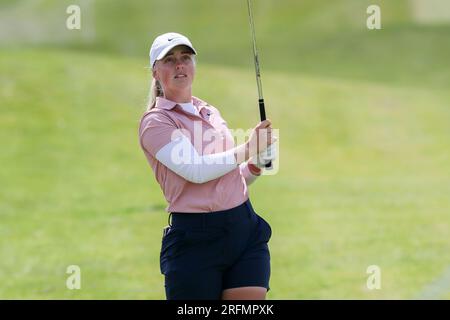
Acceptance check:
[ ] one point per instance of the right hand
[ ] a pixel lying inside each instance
(260, 138)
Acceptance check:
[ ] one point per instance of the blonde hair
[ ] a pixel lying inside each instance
(156, 89)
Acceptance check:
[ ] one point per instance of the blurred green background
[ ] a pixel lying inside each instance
(363, 116)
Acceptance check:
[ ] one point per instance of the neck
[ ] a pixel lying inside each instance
(184, 96)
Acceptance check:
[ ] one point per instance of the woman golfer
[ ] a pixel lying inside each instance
(215, 246)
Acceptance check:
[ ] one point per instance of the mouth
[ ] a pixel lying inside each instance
(178, 76)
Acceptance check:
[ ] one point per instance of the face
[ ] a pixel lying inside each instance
(176, 70)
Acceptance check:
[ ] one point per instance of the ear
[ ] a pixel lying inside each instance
(155, 74)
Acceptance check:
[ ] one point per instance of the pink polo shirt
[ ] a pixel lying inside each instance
(155, 130)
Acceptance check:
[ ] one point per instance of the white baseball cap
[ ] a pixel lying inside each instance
(164, 43)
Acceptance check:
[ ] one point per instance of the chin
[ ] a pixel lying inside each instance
(183, 84)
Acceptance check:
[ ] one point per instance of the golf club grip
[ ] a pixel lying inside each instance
(262, 113)
(262, 109)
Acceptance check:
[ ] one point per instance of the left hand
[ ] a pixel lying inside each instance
(264, 157)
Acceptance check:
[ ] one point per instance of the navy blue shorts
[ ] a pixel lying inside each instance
(203, 254)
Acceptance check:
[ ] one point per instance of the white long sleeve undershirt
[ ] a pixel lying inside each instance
(200, 169)
(181, 157)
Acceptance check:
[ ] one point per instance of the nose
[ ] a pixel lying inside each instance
(178, 64)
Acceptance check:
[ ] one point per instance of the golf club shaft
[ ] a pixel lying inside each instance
(262, 110)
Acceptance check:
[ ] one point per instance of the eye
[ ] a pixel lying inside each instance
(170, 59)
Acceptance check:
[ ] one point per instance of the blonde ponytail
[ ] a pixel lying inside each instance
(155, 91)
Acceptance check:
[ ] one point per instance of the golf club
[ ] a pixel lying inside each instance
(262, 110)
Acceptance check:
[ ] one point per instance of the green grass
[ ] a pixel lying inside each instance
(326, 38)
(364, 145)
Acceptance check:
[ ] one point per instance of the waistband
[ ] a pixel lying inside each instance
(214, 218)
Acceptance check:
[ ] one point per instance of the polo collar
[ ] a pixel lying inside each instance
(163, 103)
